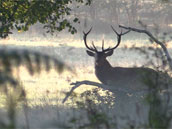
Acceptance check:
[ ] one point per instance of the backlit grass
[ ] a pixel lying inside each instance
(50, 87)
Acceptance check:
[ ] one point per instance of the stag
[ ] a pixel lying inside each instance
(132, 78)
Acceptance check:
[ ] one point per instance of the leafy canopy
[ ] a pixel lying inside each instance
(21, 14)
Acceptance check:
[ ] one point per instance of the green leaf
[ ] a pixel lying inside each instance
(75, 20)
(22, 14)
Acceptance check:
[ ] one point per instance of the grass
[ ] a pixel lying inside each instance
(51, 84)
(45, 91)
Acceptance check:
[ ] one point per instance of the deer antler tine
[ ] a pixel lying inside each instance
(85, 40)
(94, 46)
(121, 32)
(108, 48)
(88, 31)
(126, 32)
(114, 30)
(103, 44)
(118, 39)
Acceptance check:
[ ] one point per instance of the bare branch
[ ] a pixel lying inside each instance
(113, 89)
(153, 39)
(77, 84)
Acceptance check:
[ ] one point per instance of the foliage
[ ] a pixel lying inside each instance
(96, 109)
(33, 61)
(21, 14)
(159, 95)
(10, 87)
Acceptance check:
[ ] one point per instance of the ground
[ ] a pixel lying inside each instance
(45, 92)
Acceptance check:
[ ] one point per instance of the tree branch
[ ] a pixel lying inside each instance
(154, 39)
(110, 88)
(79, 83)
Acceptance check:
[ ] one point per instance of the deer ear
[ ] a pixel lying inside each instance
(90, 53)
(109, 53)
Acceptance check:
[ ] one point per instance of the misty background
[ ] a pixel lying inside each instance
(156, 15)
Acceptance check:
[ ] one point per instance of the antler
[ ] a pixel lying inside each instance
(118, 39)
(85, 41)
(103, 45)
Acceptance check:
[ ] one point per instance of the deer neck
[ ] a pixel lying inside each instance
(102, 70)
(103, 65)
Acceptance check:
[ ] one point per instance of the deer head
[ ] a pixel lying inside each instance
(100, 56)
